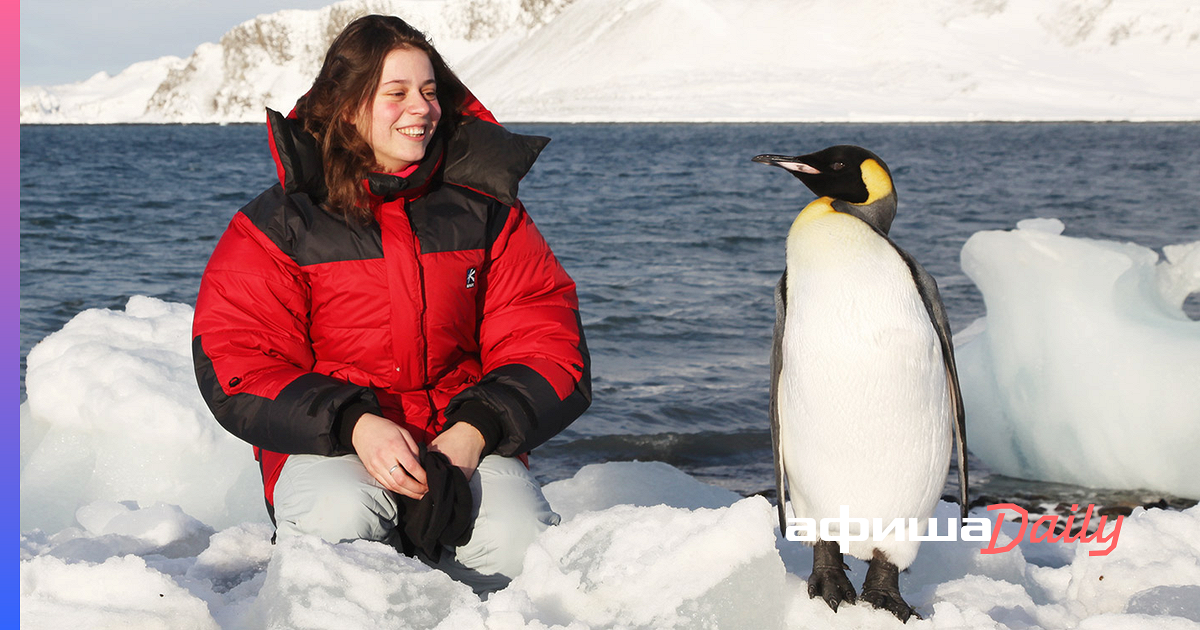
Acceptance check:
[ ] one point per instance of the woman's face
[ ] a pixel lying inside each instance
(399, 121)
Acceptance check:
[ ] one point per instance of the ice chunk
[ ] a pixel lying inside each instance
(601, 486)
(1088, 371)
(1176, 601)
(1179, 276)
(1047, 226)
(1154, 548)
(118, 529)
(658, 567)
(114, 414)
(352, 586)
(118, 593)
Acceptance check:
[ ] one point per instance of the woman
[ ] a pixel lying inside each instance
(388, 311)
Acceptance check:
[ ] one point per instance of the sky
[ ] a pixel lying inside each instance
(63, 41)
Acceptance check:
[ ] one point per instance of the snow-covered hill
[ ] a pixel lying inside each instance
(705, 60)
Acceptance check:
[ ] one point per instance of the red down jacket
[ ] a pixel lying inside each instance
(450, 296)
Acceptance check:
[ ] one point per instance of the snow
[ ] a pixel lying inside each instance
(704, 60)
(862, 60)
(121, 592)
(1086, 369)
(101, 98)
(623, 566)
(138, 511)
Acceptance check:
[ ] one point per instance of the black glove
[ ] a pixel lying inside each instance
(443, 515)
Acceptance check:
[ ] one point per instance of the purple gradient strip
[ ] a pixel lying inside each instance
(10, 312)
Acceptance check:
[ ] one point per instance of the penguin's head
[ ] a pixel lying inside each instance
(846, 173)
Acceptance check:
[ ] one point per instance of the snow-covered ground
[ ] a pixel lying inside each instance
(138, 511)
(704, 60)
(680, 554)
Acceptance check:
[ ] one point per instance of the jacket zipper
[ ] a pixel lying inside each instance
(431, 420)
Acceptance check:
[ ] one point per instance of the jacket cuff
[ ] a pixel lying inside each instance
(480, 416)
(343, 426)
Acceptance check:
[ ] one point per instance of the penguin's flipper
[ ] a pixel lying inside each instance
(776, 366)
(927, 287)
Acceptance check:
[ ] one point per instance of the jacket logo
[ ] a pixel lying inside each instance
(471, 278)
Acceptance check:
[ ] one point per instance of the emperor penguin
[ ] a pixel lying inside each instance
(865, 403)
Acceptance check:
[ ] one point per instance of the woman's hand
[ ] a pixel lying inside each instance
(390, 455)
(462, 444)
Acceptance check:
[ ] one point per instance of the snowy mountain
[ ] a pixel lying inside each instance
(704, 60)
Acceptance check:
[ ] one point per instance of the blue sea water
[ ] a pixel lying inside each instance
(673, 235)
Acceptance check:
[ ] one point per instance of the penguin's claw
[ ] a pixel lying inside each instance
(831, 585)
(828, 579)
(891, 602)
(881, 588)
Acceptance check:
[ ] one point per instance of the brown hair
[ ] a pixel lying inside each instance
(347, 81)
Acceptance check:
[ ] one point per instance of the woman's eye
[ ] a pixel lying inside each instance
(430, 96)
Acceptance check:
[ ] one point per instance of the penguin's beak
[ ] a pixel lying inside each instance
(789, 163)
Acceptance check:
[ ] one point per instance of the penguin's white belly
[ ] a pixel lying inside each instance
(863, 403)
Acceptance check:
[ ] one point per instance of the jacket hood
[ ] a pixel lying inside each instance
(479, 154)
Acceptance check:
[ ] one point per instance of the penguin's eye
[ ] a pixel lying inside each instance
(837, 166)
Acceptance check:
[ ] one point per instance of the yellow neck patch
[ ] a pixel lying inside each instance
(815, 210)
(879, 184)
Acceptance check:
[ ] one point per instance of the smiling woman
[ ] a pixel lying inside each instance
(386, 326)
(404, 113)
(382, 87)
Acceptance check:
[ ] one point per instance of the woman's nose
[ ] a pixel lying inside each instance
(417, 104)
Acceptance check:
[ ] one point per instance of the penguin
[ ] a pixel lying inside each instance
(865, 402)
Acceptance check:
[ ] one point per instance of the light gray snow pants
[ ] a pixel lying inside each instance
(336, 499)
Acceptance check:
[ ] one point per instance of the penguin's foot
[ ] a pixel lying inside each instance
(828, 580)
(881, 588)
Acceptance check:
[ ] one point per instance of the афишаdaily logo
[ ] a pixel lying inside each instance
(845, 529)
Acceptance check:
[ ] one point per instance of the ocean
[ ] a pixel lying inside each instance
(674, 237)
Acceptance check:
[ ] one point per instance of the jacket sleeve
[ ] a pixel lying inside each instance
(537, 372)
(252, 353)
